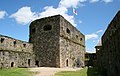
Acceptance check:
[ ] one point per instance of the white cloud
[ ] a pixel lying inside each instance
(50, 11)
(62, 9)
(91, 36)
(70, 3)
(107, 1)
(24, 15)
(2, 14)
(99, 31)
(93, 1)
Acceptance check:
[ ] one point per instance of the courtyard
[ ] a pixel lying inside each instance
(47, 71)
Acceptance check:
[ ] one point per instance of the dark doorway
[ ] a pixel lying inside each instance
(67, 62)
(37, 63)
(78, 62)
(12, 64)
(28, 62)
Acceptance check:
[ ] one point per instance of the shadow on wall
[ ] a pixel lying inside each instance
(92, 71)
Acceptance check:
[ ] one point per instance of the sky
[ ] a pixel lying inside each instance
(92, 19)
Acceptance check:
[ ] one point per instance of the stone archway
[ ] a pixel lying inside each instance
(67, 63)
(12, 64)
(37, 63)
(29, 62)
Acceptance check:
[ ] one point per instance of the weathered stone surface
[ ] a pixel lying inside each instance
(54, 42)
(57, 43)
(15, 53)
(46, 43)
(72, 45)
(108, 55)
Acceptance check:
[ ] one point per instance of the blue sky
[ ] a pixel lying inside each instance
(92, 19)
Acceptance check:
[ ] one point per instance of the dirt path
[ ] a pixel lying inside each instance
(46, 71)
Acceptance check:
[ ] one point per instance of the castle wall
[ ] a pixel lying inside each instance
(72, 45)
(109, 53)
(44, 34)
(15, 53)
(56, 42)
(111, 47)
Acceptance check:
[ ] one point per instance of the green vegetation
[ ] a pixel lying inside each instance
(87, 59)
(83, 72)
(15, 72)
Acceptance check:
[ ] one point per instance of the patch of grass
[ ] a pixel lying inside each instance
(83, 72)
(15, 72)
(93, 72)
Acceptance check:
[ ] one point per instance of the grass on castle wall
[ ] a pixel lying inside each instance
(83, 72)
(15, 72)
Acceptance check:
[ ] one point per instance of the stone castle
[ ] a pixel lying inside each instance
(53, 42)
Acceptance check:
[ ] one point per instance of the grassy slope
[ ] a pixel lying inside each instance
(83, 72)
(15, 72)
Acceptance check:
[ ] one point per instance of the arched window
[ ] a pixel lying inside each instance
(67, 62)
(14, 43)
(81, 39)
(68, 31)
(47, 27)
(24, 45)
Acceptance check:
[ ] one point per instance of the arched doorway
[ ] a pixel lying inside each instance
(37, 63)
(29, 62)
(67, 62)
(12, 64)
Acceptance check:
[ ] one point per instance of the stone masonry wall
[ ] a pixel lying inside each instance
(72, 45)
(109, 53)
(44, 34)
(111, 47)
(15, 53)
(57, 43)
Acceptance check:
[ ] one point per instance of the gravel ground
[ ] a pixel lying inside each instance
(47, 71)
